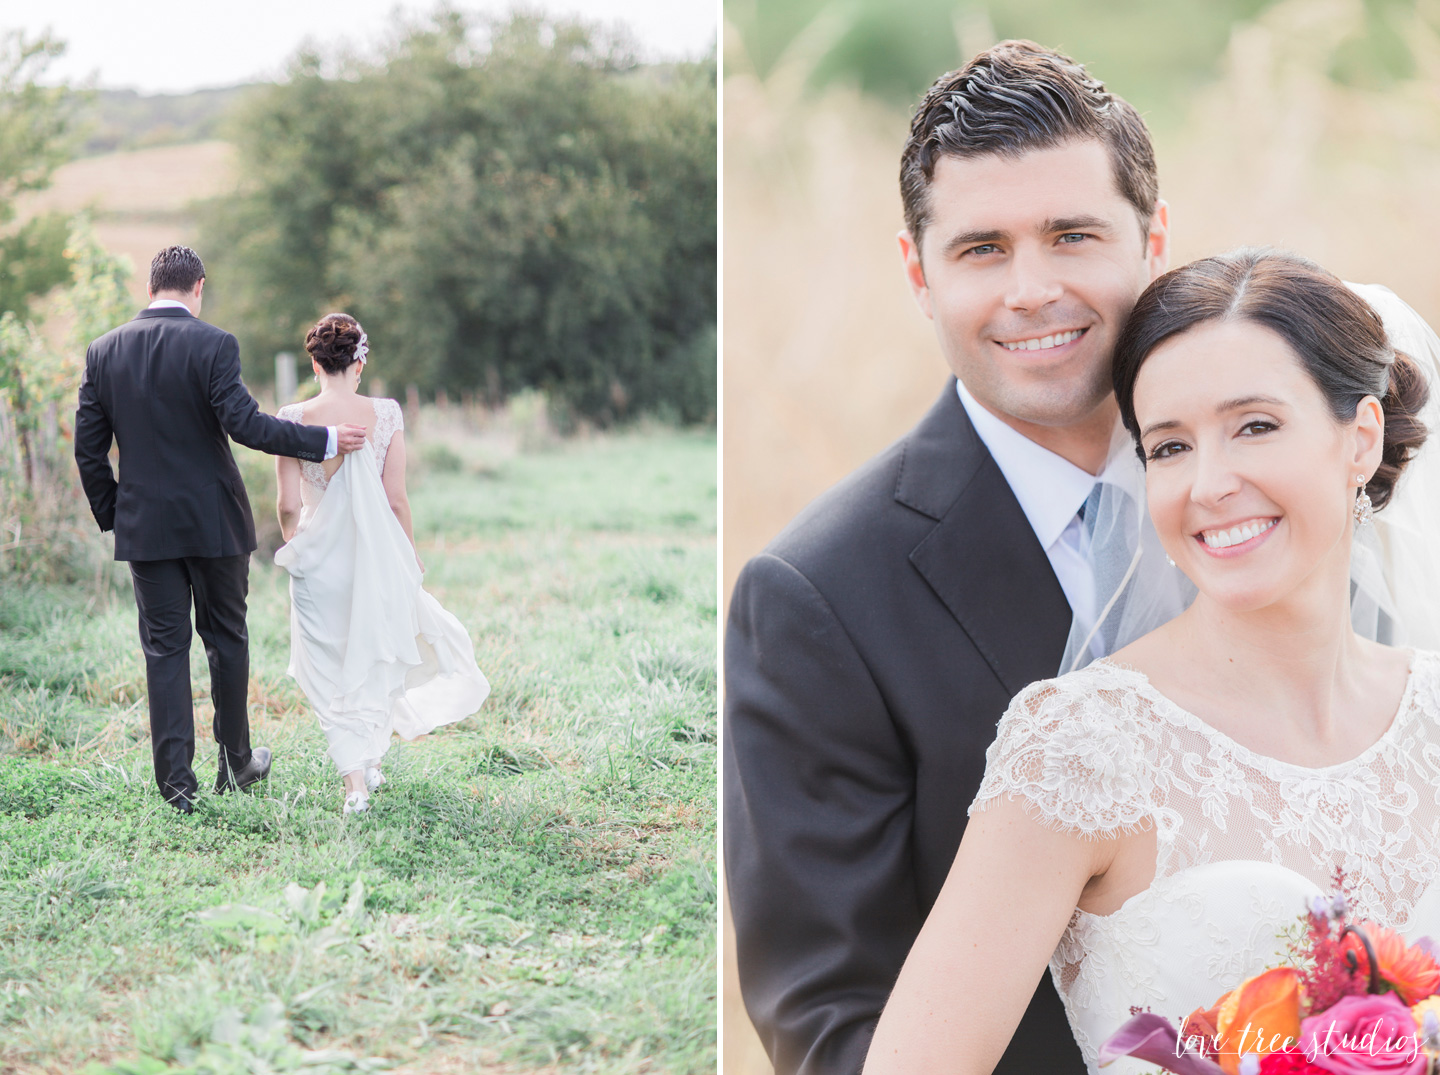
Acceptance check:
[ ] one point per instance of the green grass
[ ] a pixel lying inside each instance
(535, 887)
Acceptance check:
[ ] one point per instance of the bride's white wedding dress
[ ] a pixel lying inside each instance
(373, 652)
(1243, 841)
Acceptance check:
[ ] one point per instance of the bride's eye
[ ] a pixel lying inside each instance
(1166, 449)
(1258, 427)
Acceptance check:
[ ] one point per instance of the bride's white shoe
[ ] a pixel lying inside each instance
(357, 802)
(373, 778)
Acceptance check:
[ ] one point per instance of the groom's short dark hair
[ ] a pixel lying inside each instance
(176, 268)
(1014, 98)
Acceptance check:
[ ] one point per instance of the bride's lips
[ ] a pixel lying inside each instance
(1265, 523)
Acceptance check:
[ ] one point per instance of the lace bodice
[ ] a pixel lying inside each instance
(1242, 839)
(388, 419)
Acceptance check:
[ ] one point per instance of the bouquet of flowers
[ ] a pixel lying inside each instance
(1355, 1000)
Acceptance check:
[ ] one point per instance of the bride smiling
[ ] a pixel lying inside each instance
(1149, 825)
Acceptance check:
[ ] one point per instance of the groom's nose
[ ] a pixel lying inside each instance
(1031, 280)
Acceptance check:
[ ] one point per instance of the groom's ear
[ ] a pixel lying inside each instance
(1157, 239)
(915, 272)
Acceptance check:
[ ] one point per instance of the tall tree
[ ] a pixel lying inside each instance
(37, 128)
(504, 204)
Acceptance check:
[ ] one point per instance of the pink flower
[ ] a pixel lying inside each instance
(1367, 1035)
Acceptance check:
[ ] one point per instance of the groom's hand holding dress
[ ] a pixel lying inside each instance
(349, 438)
(166, 389)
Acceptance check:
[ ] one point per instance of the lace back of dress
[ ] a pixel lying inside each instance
(388, 419)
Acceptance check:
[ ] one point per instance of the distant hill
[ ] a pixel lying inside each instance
(124, 119)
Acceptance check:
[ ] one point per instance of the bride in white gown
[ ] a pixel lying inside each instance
(374, 652)
(1151, 825)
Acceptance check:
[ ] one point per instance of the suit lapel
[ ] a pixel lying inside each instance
(982, 559)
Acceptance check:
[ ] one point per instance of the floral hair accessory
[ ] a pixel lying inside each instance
(362, 348)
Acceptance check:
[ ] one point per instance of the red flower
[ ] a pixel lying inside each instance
(1289, 1061)
(1325, 976)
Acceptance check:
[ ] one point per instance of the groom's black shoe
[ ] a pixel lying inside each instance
(240, 779)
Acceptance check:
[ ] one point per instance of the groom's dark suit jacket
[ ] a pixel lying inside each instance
(871, 649)
(167, 387)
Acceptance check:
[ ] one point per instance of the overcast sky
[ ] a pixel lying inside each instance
(176, 47)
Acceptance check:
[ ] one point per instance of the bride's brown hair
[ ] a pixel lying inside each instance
(1338, 338)
(332, 342)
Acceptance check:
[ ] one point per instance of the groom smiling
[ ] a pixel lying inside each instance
(873, 646)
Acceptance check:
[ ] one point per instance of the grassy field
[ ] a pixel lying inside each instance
(534, 889)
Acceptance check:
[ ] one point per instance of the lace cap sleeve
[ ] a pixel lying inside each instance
(1074, 755)
(1426, 676)
(291, 412)
(389, 420)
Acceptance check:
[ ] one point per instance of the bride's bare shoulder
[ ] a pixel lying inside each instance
(1148, 653)
(302, 411)
(1388, 668)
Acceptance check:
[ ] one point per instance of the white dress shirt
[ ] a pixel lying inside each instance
(332, 434)
(1050, 490)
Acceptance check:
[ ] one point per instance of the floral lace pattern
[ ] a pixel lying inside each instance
(388, 419)
(1241, 838)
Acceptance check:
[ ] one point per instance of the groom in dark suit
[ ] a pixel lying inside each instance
(873, 646)
(166, 388)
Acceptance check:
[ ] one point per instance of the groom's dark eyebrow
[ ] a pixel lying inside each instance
(1056, 225)
(974, 238)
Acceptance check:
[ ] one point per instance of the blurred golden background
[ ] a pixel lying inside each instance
(1308, 124)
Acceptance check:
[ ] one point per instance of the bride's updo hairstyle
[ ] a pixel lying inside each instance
(332, 342)
(1338, 338)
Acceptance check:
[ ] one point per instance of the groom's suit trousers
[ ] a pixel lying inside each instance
(164, 593)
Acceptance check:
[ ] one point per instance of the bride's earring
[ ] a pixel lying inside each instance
(1364, 510)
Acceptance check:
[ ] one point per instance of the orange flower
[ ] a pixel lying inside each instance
(1200, 1026)
(1410, 972)
(1259, 1017)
